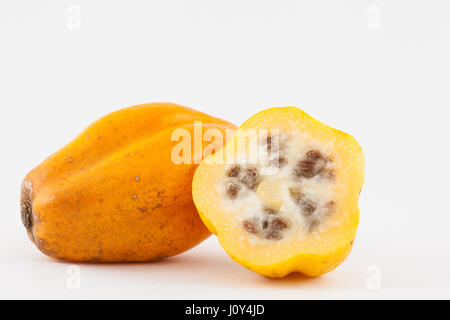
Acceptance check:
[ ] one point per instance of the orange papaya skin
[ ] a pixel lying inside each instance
(114, 194)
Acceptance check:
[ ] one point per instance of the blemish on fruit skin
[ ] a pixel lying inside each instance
(26, 206)
(70, 159)
(143, 209)
(137, 178)
(134, 196)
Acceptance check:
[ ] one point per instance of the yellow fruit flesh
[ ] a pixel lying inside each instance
(313, 254)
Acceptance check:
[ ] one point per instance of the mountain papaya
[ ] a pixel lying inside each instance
(282, 195)
(116, 193)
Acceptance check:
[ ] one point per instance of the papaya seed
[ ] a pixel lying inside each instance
(279, 224)
(269, 228)
(274, 235)
(306, 166)
(313, 155)
(250, 178)
(249, 226)
(313, 225)
(232, 190)
(233, 171)
(308, 207)
(330, 174)
(309, 168)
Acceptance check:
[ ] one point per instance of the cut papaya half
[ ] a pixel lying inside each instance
(282, 195)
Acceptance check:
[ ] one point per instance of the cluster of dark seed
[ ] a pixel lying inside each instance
(269, 226)
(308, 208)
(249, 177)
(313, 164)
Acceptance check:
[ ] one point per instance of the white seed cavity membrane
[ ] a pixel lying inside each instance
(276, 200)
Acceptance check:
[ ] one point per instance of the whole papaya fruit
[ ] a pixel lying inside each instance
(282, 195)
(115, 192)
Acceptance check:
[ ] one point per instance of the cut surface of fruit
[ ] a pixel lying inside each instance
(282, 196)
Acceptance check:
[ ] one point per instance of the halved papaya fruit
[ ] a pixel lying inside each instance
(282, 195)
(117, 192)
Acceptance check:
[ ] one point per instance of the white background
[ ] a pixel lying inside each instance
(379, 70)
